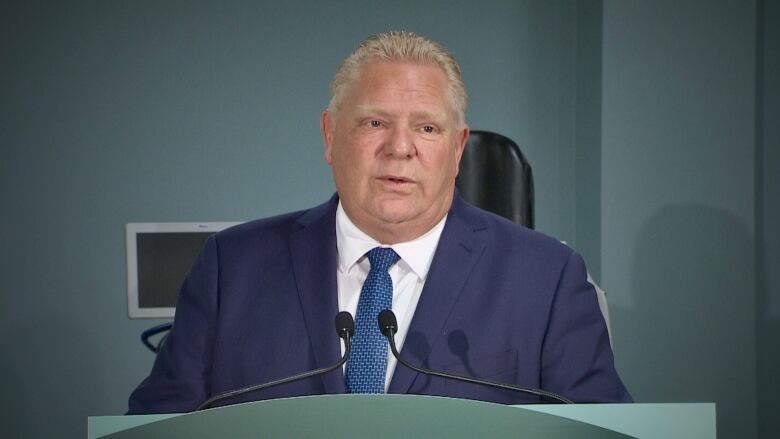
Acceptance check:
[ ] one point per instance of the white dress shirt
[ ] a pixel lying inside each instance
(408, 274)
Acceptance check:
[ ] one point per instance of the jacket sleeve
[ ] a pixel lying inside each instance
(179, 380)
(577, 359)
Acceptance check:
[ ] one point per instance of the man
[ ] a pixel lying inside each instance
(474, 293)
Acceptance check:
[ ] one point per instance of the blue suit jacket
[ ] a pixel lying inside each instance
(500, 302)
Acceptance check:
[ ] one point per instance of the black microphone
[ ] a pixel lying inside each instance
(345, 328)
(388, 325)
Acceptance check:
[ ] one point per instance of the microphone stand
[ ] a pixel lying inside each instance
(345, 328)
(388, 326)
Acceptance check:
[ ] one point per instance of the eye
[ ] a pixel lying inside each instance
(374, 123)
(429, 129)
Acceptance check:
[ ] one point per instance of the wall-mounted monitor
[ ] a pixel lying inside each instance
(159, 256)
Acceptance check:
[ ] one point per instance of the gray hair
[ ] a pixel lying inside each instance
(400, 46)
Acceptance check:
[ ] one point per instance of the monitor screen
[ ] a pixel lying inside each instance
(159, 256)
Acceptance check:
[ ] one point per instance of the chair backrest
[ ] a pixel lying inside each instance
(495, 176)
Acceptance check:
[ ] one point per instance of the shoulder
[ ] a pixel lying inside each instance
(508, 238)
(265, 233)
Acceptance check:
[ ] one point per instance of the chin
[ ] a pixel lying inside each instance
(395, 217)
(396, 211)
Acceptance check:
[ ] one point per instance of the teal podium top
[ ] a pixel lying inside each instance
(378, 416)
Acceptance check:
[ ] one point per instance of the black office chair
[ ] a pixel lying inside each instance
(495, 176)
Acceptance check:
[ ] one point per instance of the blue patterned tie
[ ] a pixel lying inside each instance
(367, 366)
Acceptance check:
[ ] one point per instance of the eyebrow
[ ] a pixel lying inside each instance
(436, 116)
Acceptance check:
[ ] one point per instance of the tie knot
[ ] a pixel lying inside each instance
(382, 258)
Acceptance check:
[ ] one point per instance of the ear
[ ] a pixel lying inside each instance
(462, 137)
(327, 125)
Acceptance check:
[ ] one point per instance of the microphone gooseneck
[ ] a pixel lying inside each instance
(388, 325)
(345, 328)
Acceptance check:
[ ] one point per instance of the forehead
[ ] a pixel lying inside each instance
(401, 71)
(388, 80)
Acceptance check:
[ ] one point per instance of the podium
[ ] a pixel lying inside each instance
(393, 416)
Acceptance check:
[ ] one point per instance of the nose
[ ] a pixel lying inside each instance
(400, 144)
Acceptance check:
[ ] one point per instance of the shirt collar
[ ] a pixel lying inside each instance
(352, 244)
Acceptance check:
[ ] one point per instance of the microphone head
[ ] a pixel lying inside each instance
(388, 325)
(345, 324)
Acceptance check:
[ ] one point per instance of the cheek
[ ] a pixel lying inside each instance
(443, 166)
(351, 164)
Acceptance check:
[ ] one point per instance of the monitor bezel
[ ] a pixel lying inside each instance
(134, 311)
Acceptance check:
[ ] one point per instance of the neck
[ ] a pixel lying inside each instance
(390, 233)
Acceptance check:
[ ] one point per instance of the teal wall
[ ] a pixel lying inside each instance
(640, 120)
(678, 201)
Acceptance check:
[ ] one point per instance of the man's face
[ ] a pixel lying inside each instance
(394, 147)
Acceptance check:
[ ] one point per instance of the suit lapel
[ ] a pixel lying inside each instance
(314, 259)
(457, 252)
